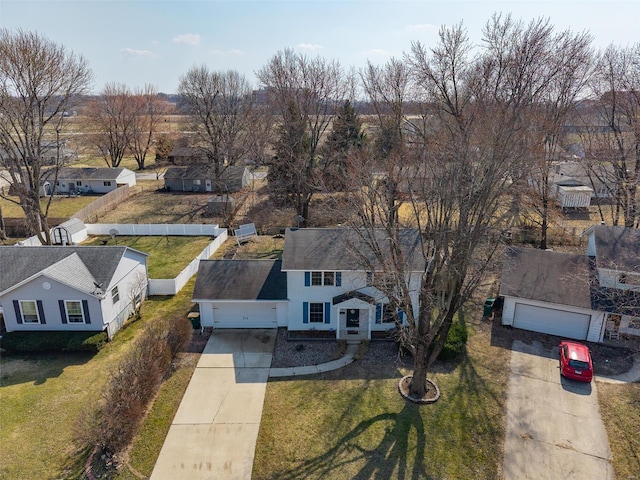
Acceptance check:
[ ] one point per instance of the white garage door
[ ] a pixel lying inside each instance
(244, 315)
(555, 322)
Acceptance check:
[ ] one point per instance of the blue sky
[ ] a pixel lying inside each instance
(149, 41)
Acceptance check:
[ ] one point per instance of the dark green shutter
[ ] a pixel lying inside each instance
(307, 279)
(327, 312)
(63, 311)
(41, 312)
(85, 309)
(305, 312)
(16, 307)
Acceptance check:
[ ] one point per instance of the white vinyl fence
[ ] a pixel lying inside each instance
(186, 229)
(174, 285)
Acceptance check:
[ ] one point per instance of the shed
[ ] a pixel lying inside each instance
(220, 204)
(570, 196)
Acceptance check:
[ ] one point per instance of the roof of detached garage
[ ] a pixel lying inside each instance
(240, 280)
(553, 277)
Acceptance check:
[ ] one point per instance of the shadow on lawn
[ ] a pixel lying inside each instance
(38, 368)
(380, 461)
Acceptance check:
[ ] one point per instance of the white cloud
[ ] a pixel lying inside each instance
(132, 52)
(376, 51)
(188, 38)
(310, 46)
(232, 51)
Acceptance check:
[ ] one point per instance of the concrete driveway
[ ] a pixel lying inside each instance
(554, 429)
(214, 432)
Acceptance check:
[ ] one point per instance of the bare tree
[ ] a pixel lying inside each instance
(39, 82)
(615, 153)
(149, 111)
(478, 110)
(110, 119)
(307, 92)
(565, 62)
(221, 105)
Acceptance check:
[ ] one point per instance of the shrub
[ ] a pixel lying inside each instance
(455, 343)
(28, 342)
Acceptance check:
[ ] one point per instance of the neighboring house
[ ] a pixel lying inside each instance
(88, 180)
(49, 288)
(201, 178)
(320, 284)
(181, 155)
(585, 297)
(575, 174)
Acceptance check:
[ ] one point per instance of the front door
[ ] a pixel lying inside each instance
(353, 319)
(207, 184)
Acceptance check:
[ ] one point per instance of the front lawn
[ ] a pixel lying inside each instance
(42, 396)
(352, 423)
(169, 255)
(620, 410)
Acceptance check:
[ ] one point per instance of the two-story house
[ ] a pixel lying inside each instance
(324, 282)
(585, 297)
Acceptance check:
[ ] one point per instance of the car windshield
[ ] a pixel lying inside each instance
(579, 364)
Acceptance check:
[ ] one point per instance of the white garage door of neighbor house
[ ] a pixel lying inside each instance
(245, 315)
(554, 322)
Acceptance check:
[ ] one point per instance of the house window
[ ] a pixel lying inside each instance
(316, 312)
(323, 278)
(196, 182)
(107, 183)
(387, 314)
(29, 311)
(115, 295)
(74, 311)
(79, 183)
(369, 279)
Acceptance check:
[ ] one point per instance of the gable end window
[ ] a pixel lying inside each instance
(115, 295)
(107, 183)
(74, 311)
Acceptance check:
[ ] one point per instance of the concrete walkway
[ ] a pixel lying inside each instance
(214, 432)
(630, 376)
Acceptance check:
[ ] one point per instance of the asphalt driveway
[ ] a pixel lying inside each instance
(554, 429)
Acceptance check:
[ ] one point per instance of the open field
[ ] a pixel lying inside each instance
(168, 255)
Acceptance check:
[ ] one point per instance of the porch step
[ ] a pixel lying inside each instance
(353, 342)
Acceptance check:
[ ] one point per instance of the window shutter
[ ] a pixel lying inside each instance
(85, 309)
(41, 312)
(63, 312)
(338, 279)
(307, 279)
(327, 312)
(378, 313)
(305, 312)
(401, 315)
(16, 306)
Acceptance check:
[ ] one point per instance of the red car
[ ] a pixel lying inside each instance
(575, 361)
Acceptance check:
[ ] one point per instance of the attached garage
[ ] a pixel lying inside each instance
(558, 322)
(241, 293)
(244, 315)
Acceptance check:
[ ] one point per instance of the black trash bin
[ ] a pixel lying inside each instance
(194, 318)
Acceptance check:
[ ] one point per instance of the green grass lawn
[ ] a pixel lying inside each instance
(61, 206)
(352, 423)
(620, 410)
(42, 396)
(169, 255)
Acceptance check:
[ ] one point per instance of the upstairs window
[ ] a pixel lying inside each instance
(115, 295)
(323, 278)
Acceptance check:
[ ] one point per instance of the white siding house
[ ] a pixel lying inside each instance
(90, 180)
(70, 288)
(320, 284)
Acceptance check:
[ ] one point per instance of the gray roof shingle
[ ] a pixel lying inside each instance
(79, 267)
(240, 280)
(335, 249)
(617, 248)
(553, 277)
